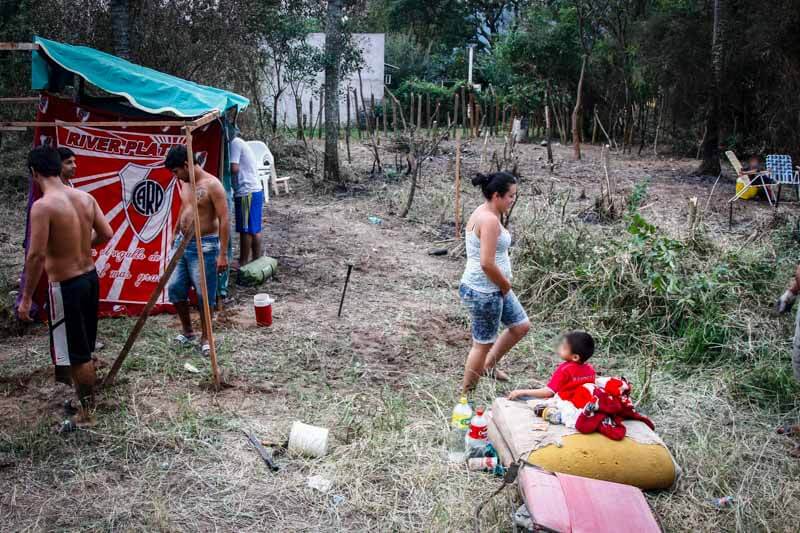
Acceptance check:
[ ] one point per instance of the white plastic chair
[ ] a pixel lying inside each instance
(266, 166)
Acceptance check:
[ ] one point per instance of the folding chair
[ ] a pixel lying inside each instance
(266, 166)
(749, 178)
(781, 171)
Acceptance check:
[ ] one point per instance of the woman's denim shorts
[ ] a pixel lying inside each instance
(490, 309)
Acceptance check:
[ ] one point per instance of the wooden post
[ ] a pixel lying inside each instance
(458, 184)
(137, 328)
(455, 109)
(355, 108)
(321, 115)
(419, 112)
(394, 116)
(463, 109)
(347, 126)
(428, 110)
(371, 114)
(472, 114)
(411, 110)
(206, 310)
(311, 117)
(496, 115)
(384, 114)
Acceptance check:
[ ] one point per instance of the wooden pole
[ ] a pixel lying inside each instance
(20, 100)
(347, 127)
(355, 108)
(384, 114)
(411, 110)
(311, 117)
(394, 116)
(206, 309)
(137, 328)
(428, 110)
(463, 109)
(458, 184)
(372, 117)
(419, 112)
(455, 109)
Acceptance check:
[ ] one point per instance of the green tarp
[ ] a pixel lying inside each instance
(145, 88)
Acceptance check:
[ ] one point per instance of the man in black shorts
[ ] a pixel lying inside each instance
(64, 225)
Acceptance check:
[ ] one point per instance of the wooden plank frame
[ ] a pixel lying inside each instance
(188, 127)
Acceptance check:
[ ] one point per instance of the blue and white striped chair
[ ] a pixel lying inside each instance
(783, 173)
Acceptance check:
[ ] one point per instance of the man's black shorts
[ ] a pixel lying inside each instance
(72, 316)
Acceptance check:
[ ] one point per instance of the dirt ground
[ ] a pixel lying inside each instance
(169, 455)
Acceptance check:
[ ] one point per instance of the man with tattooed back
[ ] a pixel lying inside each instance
(212, 207)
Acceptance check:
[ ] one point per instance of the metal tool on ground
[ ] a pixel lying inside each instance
(263, 452)
(344, 291)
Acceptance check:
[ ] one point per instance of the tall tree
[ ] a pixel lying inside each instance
(334, 42)
(710, 164)
(120, 24)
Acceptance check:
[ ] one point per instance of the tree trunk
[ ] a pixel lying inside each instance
(333, 54)
(710, 165)
(576, 132)
(120, 26)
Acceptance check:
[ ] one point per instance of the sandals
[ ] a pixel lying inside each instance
(788, 429)
(185, 340)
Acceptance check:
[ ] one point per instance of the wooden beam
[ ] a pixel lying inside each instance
(20, 100)
(134, 124)
(202, 121)
(12, 128)
(206, 309)
(137, 328)
(19, 47)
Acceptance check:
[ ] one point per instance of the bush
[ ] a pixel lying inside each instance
(639, 290)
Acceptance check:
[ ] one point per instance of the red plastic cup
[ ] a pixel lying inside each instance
(263, 308)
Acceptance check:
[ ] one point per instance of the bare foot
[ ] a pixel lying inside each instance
(796, 452)
(788, 429)
(496, 374)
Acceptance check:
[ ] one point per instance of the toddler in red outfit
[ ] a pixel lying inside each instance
(575, 349)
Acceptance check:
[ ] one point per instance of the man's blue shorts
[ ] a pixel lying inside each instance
(248, 212)
(187, 273)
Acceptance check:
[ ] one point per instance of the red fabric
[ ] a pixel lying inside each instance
(568, 377)
(123, 169)
(607, 411)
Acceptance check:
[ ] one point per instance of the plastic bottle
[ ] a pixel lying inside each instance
(459, 424)
(476, 439)
(462, 413)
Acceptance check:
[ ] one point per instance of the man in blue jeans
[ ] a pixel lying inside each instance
(212, 208)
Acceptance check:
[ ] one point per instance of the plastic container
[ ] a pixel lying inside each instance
(263, 308)
(462, 413)
(308, 440)
(482, 464)
(476, 439)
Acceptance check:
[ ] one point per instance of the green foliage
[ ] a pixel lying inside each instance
(690, 302)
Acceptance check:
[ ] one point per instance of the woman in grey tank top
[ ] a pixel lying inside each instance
(486, 283)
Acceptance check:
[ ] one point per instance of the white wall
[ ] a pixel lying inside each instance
(372, 46)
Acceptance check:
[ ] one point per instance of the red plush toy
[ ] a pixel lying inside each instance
(610, 405)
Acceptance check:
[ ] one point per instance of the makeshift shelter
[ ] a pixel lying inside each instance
(120, 142)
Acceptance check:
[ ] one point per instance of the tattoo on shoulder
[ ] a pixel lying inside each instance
(201, 193)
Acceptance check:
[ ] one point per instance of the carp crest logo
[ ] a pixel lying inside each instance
(147, 198)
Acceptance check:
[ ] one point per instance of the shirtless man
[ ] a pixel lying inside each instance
(65, 224)
(212, 206)
(68, 165)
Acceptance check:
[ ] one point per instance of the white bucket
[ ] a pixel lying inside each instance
(308, 440)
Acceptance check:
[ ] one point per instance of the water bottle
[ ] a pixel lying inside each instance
(459, 424)
(476, 439)
(462, 413)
